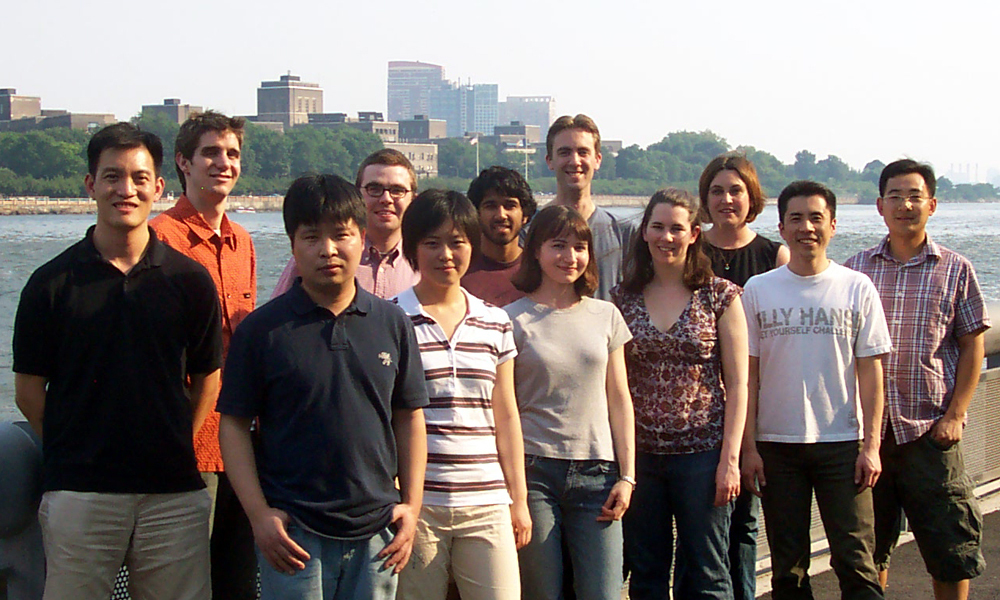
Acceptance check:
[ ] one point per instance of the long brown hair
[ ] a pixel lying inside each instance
(639, 262)
(552, 222)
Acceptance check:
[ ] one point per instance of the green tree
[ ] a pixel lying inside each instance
(872, 171)
(805, 165)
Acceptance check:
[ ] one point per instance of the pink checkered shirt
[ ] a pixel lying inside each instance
(930, 301)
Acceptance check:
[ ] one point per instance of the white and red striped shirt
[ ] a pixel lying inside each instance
(463, 468)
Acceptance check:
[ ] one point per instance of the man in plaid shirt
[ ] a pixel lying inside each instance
(937, 318)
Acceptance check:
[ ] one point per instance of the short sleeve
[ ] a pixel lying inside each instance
(243, 386)
(620, 334)
(204, 348)
(507, 349)
(725, 292)
(873, 335)
(970, 309)
(753, 328)
(33, 331)
(410, 389)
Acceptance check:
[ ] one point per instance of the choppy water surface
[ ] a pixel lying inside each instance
(26, 242)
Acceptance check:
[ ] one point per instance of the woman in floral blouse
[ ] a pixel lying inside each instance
(687, 372)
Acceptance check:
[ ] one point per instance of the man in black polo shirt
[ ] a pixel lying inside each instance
(105, 336)
(334, 376)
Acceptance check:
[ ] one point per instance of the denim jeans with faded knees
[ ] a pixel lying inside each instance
(565, 499)
(677, 488)
(336, 570)
(793, 472)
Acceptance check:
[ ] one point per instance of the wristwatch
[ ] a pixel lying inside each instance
(628, 480)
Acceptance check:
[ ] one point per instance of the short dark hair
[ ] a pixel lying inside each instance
(905, 167)
(388, 157)
(432, 209)
(505, 182)
(198, 124)
(551, 222)
(315, 198)
(806, 188)
(639, 262)
(123, 136)
(745, 170)
(581, 122)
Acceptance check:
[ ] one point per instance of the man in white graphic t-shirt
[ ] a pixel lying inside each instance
(817, 338)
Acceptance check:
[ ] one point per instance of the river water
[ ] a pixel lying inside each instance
(27, 242)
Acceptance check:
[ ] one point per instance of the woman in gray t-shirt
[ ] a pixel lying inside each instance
(576, 412)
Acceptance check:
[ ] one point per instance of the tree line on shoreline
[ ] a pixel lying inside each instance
(50, 163)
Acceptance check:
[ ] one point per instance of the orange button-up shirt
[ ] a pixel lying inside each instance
(232, 262)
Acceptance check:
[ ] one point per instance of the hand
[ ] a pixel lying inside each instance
(947, 431)
(521, 519)
(867, 468)
(397, 552)
(727, 483)
(617, 502)
(753, 472)
(271, 534)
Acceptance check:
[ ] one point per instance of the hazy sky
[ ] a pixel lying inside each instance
(861, 80)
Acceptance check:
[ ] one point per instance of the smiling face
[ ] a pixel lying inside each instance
(443, 256)
(728, 200)
(385, 214)
(574, 159)
(327, 254)
(906, 206)
(669, 234)
(214, 167)
(500, 218)
(564, 258)
(807, 227)
(125, 187)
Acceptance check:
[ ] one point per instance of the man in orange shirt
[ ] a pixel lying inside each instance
(208, 164)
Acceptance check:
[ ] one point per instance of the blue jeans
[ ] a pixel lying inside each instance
(743, 530)
(677, 488)
(565, 499)
(336, 570)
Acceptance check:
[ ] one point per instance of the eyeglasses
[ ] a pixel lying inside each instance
(375, 190)
(914, 200)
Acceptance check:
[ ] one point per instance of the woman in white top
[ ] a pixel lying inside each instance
(475, 513)
(576, 412)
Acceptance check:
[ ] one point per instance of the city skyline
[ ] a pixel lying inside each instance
(861, 81)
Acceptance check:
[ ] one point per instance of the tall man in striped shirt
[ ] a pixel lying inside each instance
(937, 318)
(208, 165)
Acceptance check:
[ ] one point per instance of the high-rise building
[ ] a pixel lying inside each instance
(485, 108)
(172, 109)
(288, 101)
(14, 107)
(410, 87)
(530, 110)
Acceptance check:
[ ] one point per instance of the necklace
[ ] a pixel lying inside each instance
(727, 256)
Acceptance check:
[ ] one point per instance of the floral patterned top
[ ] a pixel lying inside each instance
(676, 376)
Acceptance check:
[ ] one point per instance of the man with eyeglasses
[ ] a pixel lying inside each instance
(388, 184)
(937, 318)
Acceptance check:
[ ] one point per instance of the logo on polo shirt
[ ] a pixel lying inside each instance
(386, 358)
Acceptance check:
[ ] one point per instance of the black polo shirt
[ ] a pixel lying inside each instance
(324, 388)
(115, 349)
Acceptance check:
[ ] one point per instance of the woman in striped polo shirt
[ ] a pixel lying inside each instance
(576, 412)
(475, 512)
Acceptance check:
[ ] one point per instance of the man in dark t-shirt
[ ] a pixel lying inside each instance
(505, 204)
(333, 374)
(105, 336)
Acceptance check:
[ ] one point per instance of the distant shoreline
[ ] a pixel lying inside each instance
(43, 205)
